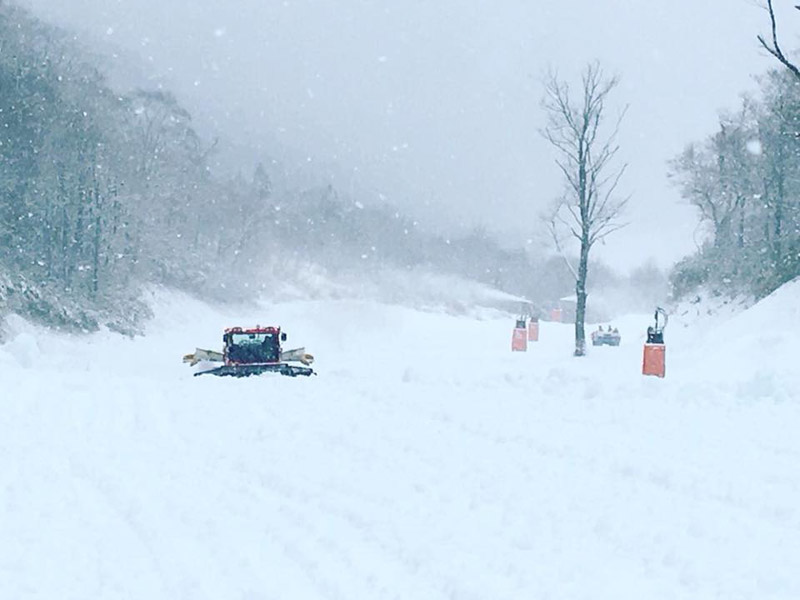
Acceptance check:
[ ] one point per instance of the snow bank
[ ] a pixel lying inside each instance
(753, 349)
(706, 310)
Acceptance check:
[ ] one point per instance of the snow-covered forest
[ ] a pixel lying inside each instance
(105, 190)
(744, 181)
(464, 217)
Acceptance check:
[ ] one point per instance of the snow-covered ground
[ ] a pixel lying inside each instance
(426, 461)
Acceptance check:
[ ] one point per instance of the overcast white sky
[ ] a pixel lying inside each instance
(435, 104)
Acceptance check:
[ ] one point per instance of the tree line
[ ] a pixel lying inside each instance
(103, 192)
(744, 180)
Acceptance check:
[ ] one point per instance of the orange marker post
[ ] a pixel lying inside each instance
(654, 360)
(533, 330)
(519, 339)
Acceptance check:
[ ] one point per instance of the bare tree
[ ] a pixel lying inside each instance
(773, 47)
(589, 209)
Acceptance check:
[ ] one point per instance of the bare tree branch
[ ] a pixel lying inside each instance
(554, 233)
(774, 49)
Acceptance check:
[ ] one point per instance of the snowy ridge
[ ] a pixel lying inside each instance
(705, 310)
(417, 288)
(743, 345)
(425, 461)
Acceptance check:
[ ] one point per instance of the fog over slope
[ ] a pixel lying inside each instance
(436, 105)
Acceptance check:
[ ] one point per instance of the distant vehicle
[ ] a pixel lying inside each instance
(253, 351)
(609, 337)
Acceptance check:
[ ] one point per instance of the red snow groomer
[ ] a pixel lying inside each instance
(253, 351)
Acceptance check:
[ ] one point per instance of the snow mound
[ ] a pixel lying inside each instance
(706, 310)
(738, 343)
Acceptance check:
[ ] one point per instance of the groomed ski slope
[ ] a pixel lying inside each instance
(426, 461)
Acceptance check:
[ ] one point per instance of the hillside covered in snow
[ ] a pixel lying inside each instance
(424, 461)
